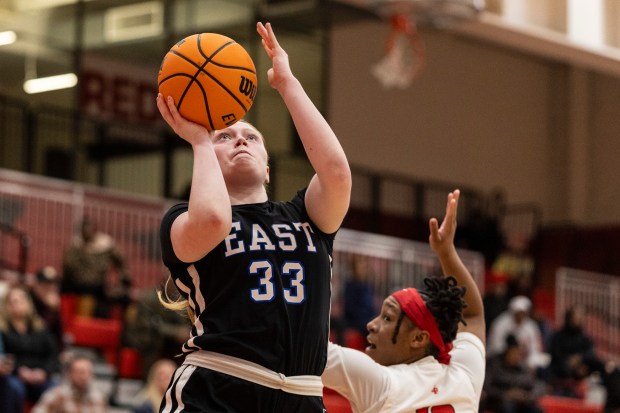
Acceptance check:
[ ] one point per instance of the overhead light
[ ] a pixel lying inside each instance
(46, 84)
(7, 37)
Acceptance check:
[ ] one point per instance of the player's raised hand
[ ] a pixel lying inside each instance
(442, 237)
(280, 70)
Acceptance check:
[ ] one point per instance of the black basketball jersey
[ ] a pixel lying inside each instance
(263, 294)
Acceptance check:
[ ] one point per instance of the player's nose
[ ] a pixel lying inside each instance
(240, 140)
(372, 326)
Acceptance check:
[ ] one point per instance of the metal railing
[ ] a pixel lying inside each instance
(599, 295)
(48, 210)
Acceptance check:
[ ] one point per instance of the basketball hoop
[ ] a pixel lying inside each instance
(406, 54)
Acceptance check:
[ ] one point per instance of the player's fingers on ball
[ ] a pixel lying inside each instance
(170, 103)
(163, 109)
(172, 108)
(175, 116)
(160, 103)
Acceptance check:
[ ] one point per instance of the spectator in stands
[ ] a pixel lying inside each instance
(516, 262)
(359, 298)
(150, 397)
(517, 321)
(87, 264)
(27, 338)
(572, 355)
(45, 293)
(511, 387)
(8, 402)
(155, 331)
(495, 297)
(77, 393)
(337, 324)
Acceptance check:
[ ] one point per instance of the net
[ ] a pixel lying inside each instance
(406, 54)
(405, 57)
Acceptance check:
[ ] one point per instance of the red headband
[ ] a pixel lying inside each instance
(415, 308)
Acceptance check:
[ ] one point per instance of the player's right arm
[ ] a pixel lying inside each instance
(356, 376)
(441, 240)
(208, 219)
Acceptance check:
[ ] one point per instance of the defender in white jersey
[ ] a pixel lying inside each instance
(420, 359)
(254, 273)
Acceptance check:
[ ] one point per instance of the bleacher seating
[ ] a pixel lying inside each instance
(101, 334)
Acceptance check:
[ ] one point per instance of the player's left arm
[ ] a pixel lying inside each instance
(329, 192)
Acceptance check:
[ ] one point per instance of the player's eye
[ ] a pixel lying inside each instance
(253, 138)
(223, 136)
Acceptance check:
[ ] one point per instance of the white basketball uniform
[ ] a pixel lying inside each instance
(425, 386)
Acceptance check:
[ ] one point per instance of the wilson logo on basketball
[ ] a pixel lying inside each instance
(247, 87)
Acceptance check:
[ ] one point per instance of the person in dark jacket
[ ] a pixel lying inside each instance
(572, 355)
(509, 385)
(32, 345)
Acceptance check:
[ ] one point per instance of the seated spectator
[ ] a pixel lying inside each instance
(45, 293)
(150, 397)
(77, 393)
(572, 355)
(359, 299)
(8, 402)
(516, 263)
(511, 387)
(517, 321)
(88, 263)
(495, 297)
(34, 348)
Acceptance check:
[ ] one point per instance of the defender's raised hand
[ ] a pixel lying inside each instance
(441, 237)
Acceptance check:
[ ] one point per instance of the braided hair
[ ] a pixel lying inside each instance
(444, 299)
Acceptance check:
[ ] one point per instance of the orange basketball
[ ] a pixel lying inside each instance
(211, 78)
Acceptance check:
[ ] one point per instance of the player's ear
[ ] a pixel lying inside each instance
(267, 176)
(419, 338)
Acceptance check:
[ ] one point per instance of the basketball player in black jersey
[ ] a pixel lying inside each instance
(255, 274)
